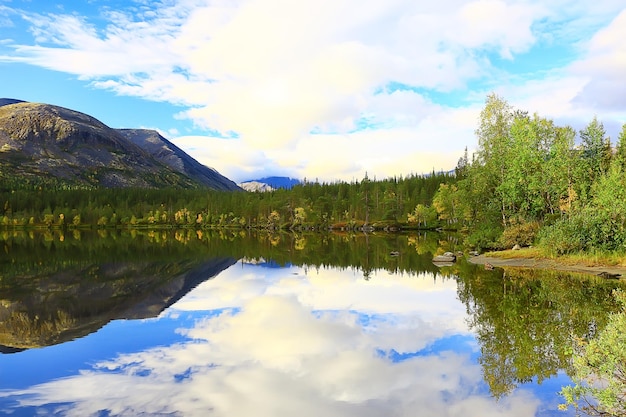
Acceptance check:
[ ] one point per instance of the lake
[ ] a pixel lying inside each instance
(197, 323)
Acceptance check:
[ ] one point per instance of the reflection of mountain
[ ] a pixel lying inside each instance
(60, 285)
(42, 310)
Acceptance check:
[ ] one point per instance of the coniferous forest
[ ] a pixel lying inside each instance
(318, 206)
(529, 182)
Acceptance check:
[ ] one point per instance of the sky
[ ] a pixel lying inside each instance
(319, 89)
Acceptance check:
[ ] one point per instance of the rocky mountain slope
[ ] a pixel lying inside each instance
(269, 184)
(46, 145)
(177, 159)
(256, 186)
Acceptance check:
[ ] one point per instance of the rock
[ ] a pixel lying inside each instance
(473, 253)
(609, 275)
(447, 257)
(517, 247)
(440, 264)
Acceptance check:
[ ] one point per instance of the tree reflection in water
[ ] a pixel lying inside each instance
(526, 320)
(55, 287)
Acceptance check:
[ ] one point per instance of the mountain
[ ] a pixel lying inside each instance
(255, 186)
(5, 101)
(174, 157)
(45, 145)
(269, 183)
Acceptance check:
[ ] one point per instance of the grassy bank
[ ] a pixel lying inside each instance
(591, 259)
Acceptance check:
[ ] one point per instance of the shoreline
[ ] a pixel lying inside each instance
(547, 264)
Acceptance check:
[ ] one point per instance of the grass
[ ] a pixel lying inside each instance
(596, 258)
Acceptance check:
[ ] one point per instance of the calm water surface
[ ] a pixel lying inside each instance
(224, 334)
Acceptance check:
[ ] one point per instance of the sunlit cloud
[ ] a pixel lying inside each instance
(437, 141)
(605, 65)
(276, 74)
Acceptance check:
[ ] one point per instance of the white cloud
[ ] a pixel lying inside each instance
(605, 65)
(508, 26)
(331, 289)
(274, 71)
(231, 157)
(423, 142)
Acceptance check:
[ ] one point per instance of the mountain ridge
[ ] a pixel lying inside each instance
(47, 144)
(269, 183)
(168, 153)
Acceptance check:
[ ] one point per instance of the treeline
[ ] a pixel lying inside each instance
(389, 203)
(531, 181)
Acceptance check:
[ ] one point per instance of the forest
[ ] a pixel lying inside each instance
(391, 203)
(529, 182)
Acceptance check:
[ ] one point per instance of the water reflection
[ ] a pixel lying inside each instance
(49, 307)
(333, 327)
(526, 321)
(274, 342)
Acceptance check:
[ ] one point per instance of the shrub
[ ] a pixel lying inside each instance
(585, 230)
(561, 237)
(519, 233)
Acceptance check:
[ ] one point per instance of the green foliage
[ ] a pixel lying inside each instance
(446, 202)
(587, 229)
(485, 237)
(524, 320)
(594, 145)
(307, 206)
(599, 225)
(527, 180)
(620, 154)
(600, 369)
(564, 236)
(423, 215)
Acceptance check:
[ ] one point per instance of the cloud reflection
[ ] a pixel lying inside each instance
(286, 344)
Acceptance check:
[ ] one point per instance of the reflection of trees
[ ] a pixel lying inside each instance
(525, 320)
(599, 378)
(56, 286)
(366, 251)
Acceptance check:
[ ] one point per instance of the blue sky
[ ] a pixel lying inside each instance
(317, 88)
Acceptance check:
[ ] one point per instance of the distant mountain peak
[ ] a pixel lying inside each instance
(269, 183)
(256, 186)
